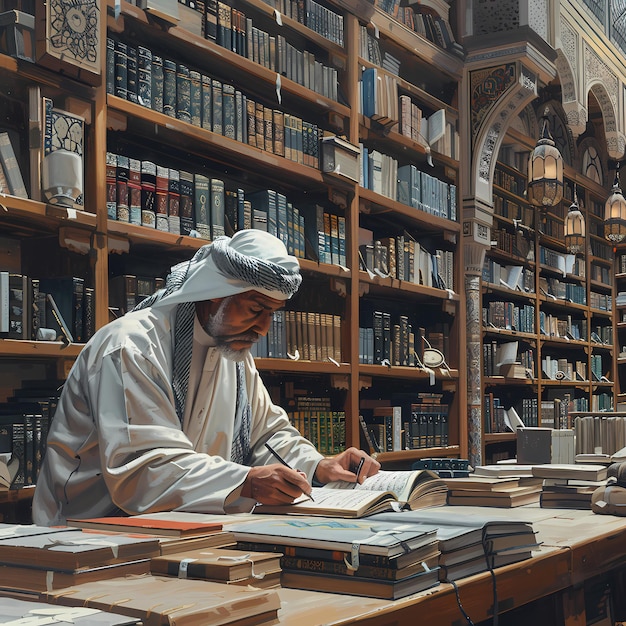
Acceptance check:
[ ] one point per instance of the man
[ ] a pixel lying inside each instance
(164, 408)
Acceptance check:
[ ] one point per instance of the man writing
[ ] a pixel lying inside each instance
(164, 408)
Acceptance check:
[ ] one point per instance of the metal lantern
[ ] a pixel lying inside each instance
(545, 170)
(615, 213)
(574, 228)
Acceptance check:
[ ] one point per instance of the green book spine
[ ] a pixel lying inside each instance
(202, 205)
(207, 102)
(218, 123)
(157, 83)
(169, 87)
(186, 203)
(131, 74)
(195, 97)
(144, 76)
(228, 111)
(217, 207)
(183, 93)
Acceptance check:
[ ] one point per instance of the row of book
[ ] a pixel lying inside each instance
(498, 356)
(514, 277)
(513, 243)
(25, 417)
(404, 258)
(317, 422)
(564, 263)
(562, 368)
(509, 316)
(509, 209)
(563, 290)
(410, 426)
(209, 103)
(604, 433)
(406, 184)
(305, 335)
(563, 326)
(178, 201)
(423, 21)
(317, 17)
(62, 305)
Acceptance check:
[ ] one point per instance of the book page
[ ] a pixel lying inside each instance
(399, 482)
(341, 503)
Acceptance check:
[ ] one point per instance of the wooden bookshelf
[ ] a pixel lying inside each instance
(89, 240)
(571, 298)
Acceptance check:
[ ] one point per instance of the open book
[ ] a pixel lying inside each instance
(385, 491)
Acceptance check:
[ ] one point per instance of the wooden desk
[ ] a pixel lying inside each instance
(577, 547)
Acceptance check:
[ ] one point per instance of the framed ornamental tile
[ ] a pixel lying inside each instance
(68, 36)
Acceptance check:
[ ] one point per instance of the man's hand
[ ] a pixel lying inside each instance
(344, 467)
(274, 484)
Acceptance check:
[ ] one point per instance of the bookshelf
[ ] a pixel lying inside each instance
(554, 307)
(108, 236)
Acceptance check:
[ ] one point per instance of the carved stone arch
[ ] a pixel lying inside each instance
(498, 94)
(615, 141)
(575, 113)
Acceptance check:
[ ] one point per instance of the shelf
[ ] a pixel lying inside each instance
(11, 348)
(499, 437)
(408, 456)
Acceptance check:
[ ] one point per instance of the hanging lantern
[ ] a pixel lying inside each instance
(615, 213)
(545, 170)
(574, 228)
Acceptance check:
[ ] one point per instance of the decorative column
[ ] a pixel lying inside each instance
(474, 252)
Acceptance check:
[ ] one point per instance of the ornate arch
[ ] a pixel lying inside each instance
(497, 95)
(604, 85)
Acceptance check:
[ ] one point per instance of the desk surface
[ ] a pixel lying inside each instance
(576, 545)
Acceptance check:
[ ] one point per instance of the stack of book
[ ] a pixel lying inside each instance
(256, 568)
(569, 486)
(158, 600)
(493, 491)
(42, 558)
(471, 543)
(173, 531)
(355, 557)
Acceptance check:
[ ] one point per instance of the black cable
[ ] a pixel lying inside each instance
(488, 559)
(458, 601)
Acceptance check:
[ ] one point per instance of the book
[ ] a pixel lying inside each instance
(38, 579)
(496, 498)
(217, 564)
(386, 490)
(157, 600)
(67, 294)
(167, 527)
(369, 587)
(353, 537)
(76, 548)
(11, 167)
(578, 471)
(35, 613)
(61, 324)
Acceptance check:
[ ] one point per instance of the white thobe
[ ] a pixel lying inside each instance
(116, 445)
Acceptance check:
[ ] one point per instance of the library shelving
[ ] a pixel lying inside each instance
(545, 309)
(251, 105)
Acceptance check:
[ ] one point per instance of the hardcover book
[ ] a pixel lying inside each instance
(158, 600)
(351, 537)
(166, 527)
(217, 211)
(74, 549)
(11, 168)
(22, 611)
(217, 564)
(368, 587)
(202, 205)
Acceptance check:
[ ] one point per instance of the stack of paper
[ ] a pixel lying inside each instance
(493, 491)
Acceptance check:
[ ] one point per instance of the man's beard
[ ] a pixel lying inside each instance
(214, 326)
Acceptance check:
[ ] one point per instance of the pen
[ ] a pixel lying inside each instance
(358, 471)
(280, 458)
